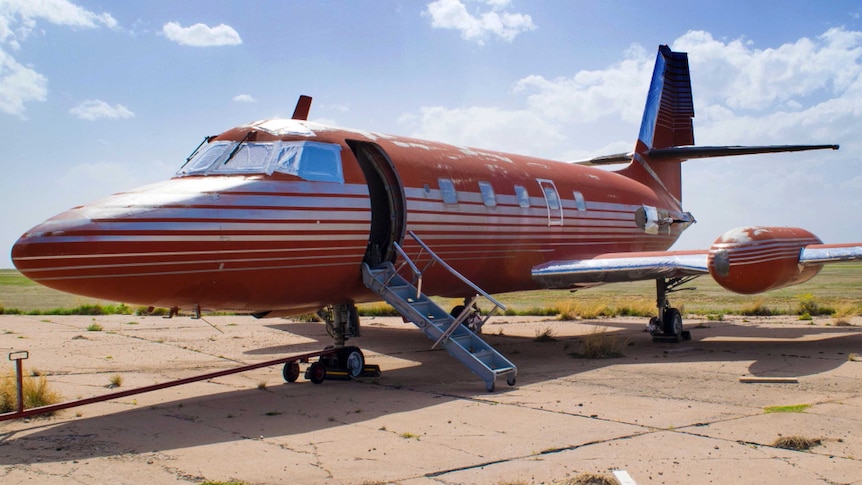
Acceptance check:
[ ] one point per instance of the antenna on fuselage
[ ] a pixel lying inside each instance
(303, 106)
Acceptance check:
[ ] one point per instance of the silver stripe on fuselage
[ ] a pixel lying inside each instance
(188, 253)
(224, 228)
(177, 273)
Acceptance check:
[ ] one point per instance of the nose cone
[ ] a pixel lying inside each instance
(96, 250)
(235, 243)
(40, 241)
(50, 252)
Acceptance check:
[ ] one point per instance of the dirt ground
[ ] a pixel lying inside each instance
(663, 413)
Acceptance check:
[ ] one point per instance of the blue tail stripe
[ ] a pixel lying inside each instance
(669, 107)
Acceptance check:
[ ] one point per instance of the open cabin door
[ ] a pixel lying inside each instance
(387, 201)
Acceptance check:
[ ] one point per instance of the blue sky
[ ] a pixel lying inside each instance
(98, 97)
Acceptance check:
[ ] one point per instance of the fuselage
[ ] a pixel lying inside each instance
(280, 214)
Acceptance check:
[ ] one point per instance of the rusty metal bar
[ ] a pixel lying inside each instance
(21, 413)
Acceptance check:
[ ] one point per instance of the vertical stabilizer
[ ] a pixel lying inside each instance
(667, 122)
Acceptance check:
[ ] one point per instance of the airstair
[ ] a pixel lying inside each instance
(446, 331)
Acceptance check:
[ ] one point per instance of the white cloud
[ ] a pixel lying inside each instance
(511, 131)
(20, 84)
(200, 35)
(58, 12)
(746, 78)
(617, 91)
(479, 25)
(94, 109)
(244, 98)
(799, 92)
(806, 91)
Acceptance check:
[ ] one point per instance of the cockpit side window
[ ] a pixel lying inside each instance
(310, 161)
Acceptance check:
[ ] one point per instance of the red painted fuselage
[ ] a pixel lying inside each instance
(257, 236)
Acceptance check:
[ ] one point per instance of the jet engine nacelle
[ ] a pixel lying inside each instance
(756, 259)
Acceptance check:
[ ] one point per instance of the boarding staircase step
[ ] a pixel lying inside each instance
(463, 344)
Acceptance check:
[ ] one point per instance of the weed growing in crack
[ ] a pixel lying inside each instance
(796, 443)
(546, 335)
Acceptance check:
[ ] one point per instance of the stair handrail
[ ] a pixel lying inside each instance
(457, 322)
(417, 274)
(450, 269)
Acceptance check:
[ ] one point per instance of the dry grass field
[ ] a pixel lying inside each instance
(836, 291)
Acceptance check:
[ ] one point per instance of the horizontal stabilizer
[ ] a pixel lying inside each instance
(620, 267)
(692, 152)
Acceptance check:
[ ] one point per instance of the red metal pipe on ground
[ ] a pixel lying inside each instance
(21, 413)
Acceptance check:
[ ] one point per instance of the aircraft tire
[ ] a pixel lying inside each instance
(290, 372)
(672, 324)
(456, 311)
(317, 373)
(352, 360)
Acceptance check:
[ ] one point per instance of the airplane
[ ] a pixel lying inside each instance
(283, 217)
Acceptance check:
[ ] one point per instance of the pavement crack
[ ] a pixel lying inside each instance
(549, 451)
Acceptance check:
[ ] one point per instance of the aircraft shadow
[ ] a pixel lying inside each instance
(432, 378)
(776, 351)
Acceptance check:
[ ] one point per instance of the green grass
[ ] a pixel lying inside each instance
(10, 277)
(838, 288)
(795, 408)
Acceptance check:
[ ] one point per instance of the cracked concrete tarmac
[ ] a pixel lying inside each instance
(665, 413)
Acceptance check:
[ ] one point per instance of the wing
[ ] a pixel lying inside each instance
(734, 266)
(830, 253)
(619, 267)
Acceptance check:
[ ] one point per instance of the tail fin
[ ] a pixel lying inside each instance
(666, 136)
(666, 123)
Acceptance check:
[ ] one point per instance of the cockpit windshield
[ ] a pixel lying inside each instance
(314, 161)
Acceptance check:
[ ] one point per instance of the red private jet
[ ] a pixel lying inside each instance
(283, 217)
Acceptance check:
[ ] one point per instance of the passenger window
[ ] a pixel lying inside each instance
(580, 204)
(447, 190)
(488, 196)
(551, 195)
(522, 196)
